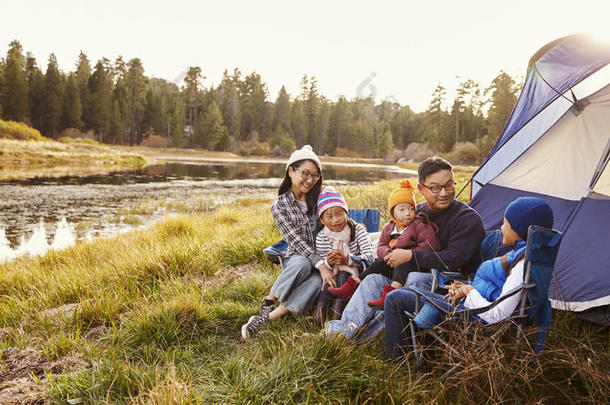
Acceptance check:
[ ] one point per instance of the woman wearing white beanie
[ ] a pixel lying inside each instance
(295, 214)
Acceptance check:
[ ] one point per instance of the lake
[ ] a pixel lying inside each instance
(52, 213)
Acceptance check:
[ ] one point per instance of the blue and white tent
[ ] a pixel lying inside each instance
(556, 145)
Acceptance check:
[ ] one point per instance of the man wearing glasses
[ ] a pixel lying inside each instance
(460, 234)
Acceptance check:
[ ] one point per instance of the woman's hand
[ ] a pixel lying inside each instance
(335, 257)
(398, 256)
(328, 277)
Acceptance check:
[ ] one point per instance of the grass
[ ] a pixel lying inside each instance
(157, 316)
(22, 159)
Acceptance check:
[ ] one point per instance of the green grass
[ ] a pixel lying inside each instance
(159, 311)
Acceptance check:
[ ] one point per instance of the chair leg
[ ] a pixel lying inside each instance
(418, 355)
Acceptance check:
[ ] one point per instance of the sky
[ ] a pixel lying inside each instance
(391, 50)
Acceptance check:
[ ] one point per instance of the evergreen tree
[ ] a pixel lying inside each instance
(72, 109)
(53, 99)
(322, 124)
(83, 74)
(503, 98)
(15, 85)
(310, 97)
(116, 123)
(298, 123)
(136, 86)
(255, 112)
(100, 102)
(228, 99)
(282, 110)
(214, 129)
(436, 120)
(404, 127)
(339, 126)
(178, 125)
(35, 79)
(191, 93)
(282, 139)
(384, 142)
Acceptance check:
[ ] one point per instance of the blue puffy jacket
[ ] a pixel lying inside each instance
(490, 276)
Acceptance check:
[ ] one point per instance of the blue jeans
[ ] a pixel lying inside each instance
(361, 323)
(298, 285)
(397, 330)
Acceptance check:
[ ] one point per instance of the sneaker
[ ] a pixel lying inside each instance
(266, 307)
(253, 325)
(346, 290)
(378, 303)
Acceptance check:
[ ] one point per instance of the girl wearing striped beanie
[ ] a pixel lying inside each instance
(344, 245)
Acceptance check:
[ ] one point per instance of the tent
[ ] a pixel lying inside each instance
(556, 146)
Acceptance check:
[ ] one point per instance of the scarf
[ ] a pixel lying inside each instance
(340, 241)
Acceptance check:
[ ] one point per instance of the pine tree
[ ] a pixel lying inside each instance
(255, 112)
(116, 123)
(298, 123)
(339, 126)
(35, 79)
(228, 99)
(15, 86)
(436, 119)
(136, 85)
(384, 142)
(100, 103)
(178, 125)
(72, 109)
(52, 101)
(282, 110)
(214, 129)
(191, 94)
(503, 98)
(83, 74)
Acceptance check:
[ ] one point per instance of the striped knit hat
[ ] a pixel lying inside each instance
(330, 198)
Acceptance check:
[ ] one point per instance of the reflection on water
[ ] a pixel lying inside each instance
(47, 213)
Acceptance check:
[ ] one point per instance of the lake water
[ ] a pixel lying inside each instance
(52, 213)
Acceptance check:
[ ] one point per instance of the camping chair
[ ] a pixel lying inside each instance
(540, 254)
(489, 249)
(368, 217)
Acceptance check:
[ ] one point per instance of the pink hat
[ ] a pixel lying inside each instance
(330, 198)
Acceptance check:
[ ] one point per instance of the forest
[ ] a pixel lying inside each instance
(115, 102)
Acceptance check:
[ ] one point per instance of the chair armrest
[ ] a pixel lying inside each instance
(512, 292)
(421, 294)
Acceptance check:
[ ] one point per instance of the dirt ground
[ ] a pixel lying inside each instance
(23, 375)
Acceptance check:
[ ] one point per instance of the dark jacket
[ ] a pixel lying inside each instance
(460, 232)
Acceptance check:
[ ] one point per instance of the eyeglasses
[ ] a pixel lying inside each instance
(306, 174)
(435, 188)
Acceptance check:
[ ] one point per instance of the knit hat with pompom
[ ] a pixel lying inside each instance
(404, 193)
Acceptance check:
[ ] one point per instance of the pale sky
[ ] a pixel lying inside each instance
(397, 50)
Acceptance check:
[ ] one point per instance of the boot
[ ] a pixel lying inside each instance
(319, 315)
(337, 309)
(346, 290)
(378, 303)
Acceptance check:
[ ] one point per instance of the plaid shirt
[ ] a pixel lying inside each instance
(295, 227)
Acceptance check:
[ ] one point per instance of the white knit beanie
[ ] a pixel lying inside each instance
(305, 153)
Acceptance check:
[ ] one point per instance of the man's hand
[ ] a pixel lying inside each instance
(328, 277)
(398, 256)
(335, 257)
